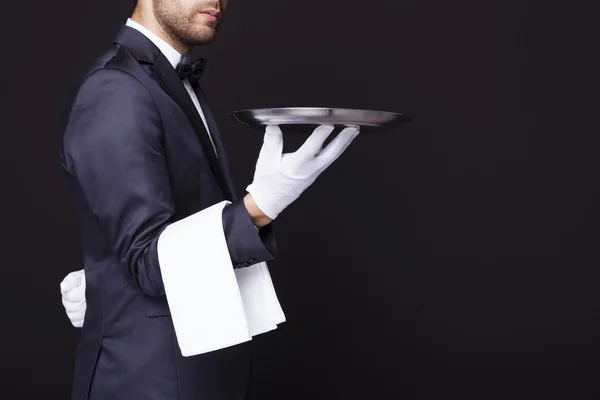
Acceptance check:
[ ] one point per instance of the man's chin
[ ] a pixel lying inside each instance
(206, 35)
(205, 40)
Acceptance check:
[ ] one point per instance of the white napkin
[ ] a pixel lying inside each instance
(263, 311)
(212, 305)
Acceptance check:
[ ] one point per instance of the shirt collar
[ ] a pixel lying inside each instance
(169, 52)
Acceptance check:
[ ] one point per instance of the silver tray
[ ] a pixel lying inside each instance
(303, 116)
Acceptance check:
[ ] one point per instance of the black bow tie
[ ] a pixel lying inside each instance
(191, 70)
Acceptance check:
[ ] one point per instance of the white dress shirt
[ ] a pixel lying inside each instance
(174, 58)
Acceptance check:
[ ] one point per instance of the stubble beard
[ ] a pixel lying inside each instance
(183, 26)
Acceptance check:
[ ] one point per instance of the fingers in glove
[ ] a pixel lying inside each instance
(272, 148)
(77, 323)
(77, 314)
(72, 280)
(77, 318)
(315, 141)
(71, 306)
(76, 295)
(337, 146)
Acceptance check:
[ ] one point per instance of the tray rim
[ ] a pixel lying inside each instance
(396, 118)
(317, 108)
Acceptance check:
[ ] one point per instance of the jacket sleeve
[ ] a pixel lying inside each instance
(252, 245)
(113, 149)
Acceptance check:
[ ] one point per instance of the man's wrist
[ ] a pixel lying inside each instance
(259, 219)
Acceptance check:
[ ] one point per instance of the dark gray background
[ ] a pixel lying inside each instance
(454, 257)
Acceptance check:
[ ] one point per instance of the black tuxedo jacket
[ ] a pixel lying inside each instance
(139, 158)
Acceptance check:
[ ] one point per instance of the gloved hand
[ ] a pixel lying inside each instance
(72, 289)
(280, 179)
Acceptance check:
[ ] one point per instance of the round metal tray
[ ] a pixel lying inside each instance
(369, 120)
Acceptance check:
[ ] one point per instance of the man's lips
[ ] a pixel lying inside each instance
(211, 15)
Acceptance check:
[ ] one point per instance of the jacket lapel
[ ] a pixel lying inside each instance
(216, 135)
(145, 51)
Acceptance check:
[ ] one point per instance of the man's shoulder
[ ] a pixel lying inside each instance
(108, 79)
(113, 83)
(116, 65)
(111, 87)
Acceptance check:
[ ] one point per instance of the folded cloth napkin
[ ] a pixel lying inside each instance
(212, 305)
(261, 306)
(72, 290)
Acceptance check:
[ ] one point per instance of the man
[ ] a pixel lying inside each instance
(175, 277)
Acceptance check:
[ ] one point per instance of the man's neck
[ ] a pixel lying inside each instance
(148, 21)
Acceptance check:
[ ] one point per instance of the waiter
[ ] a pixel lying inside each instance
(176, 282)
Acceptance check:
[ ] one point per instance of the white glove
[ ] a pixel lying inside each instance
(280, 179)
(72, 289)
